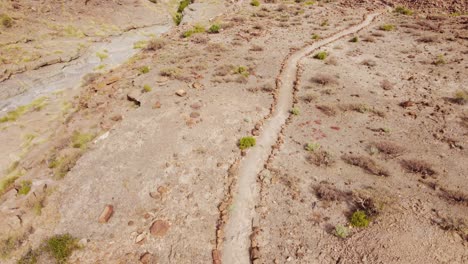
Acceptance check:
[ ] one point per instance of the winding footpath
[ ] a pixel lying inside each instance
(237, 231)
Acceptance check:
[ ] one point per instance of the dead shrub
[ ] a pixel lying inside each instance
(418, 167)
(321, 158)
(451, 224)
(199, 39)
(366, 203)
(324, 79)
(427, 39)
(388, 148)
(223, 70)
(456, 197)
(155, 44)
(327, 110)
(326, 192)
(268, 87)
(215, 48)
(309, 97)
(366, 163)
(256, 48)
(369, 63)
(368, 39)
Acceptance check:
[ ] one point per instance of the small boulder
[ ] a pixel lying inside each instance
(181, 93)
(106, 214)
(159, 228)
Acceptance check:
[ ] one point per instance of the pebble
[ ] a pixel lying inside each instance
(106, 214)
(181, 92)
(159, 228)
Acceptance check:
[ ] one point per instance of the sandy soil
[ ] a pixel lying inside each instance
(378, 126)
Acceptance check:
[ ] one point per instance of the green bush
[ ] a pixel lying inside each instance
(247, 142)
(387, 27)
(403, 10)
(321, 55)
(214, 28)
(61, 247)
(359, 219)
(25, 187)
(255, 3)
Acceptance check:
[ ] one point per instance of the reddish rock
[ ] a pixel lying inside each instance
(159, 228)
(148, 258)
(216, 256)
(106, 214)
(157, 105)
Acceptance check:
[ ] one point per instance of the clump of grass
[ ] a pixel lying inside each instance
(387, 27)
(147, 88)
(459, 225)
(327, 110)
(321, 55)
(295, 111)
(61, 247)
(177, 18)
(359, 219)
(312, 147)
(7, 182)
(62, 165)
(461, 97)
(8, 245)
(155, 44)
(195, 30)
(242, 70)
(215, 28)
(457, 197)
(172, 73)
(354, 39)
(182, 5)
(144, 69)
(418, 167)
(247, 142)
(255, 3)
(341, 231)
(403, 10)
(315, 36)
(321, 158)
(366, 163)
(326, 192)
(440, 60)
(36, 105)
(80, 140)
(141, 44)
(25, 187)
(388, 148)
(324, 23)
(324, 79)
(102, 55)
(6, 20)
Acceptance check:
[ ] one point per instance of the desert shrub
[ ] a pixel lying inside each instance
(359, 219)
(6, 20)
(388, 148)
(387, 27)
(440, 60)
(403, 10)
(457, 197)
(215, 28)
(326, 192)
(295, 111)
(324, 79)
(315, 36)
(312, 147)
(61, 247)
(25, 187)
(366, 163)
(369, 63)
(386, 85)
(418, 167)
(461, 97)
(155, 44)
(242, 70)
(321, 55)
(341, 231)
(427, 39)
(321, 158)
(255, 3)
(177, 18)
(327, 110)
(247, 142)
(309, 97)
(147, 88)
(354, 39)
(459, 225)
(80, 140)
(144, 69)
(324, 23)
(172, 73)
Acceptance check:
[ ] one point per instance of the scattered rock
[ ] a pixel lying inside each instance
(134, 96)
(148, 258)
(157, 105)
(159, 228)
(181, 93)
(197, 85)
(196, 106)
(140, 238)
(116, 118)
(106, 214)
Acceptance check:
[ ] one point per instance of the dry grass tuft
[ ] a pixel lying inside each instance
(155, 44)
(327, 110)
(388, 148)
(326, 192)
(366, 163)
(428, 39)
(324, 79)
(456, 197)
(418, 167)
(459, 225)
(365, 203)
(321, 158)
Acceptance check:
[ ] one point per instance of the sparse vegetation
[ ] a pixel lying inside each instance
(147, 88)
(6, 20)
(24, 188)
(461, 97)
(102, 55)
(327, 192)
(242, 70)
(144, 69)
(80, 140)
(327, 110)
(247, 142)
(140, 44)
(324, 79)
(255, 3)
(7, 182)
(35, 105)
(315, 36)
(321, 55)
(62, 165)
(155, 44)
(341, 231)
(440, 60)
(388, 148)
(418, 167)
(215, 28)
(321, 158)
(312, 147)
(387, 27)
(359, 219)
(295, 111)
(457, 225)
(403, 10)
(61, 247)
(366, 163)
(178, 16)
(354, 39)
(195, 30)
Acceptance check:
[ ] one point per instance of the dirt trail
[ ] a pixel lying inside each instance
(239, 226)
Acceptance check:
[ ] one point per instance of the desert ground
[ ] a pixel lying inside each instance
(137, 131)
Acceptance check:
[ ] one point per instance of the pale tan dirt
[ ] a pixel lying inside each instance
(167, 163)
